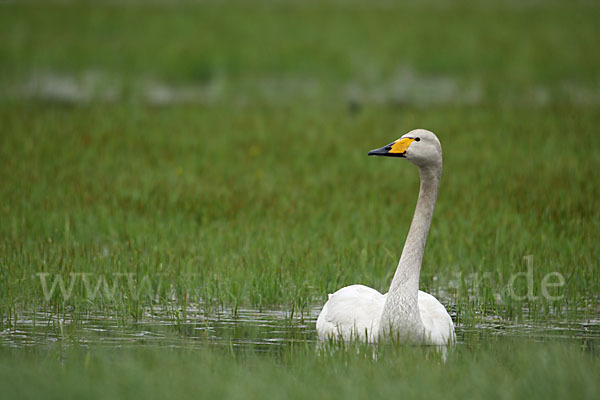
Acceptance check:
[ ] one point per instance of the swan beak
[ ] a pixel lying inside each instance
(379, 152)
(395, 149)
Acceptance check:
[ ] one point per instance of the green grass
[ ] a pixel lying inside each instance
(259, 193)
(505, 371)
(158, 193)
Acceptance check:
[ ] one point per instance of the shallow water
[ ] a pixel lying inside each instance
(259, 330)
(405, 86)
(242, 327)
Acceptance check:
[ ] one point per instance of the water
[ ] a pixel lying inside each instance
(405, 86)
(161, 327)
(261, 330)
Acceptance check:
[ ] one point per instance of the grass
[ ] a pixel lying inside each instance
(301, 214)
(257, 191)
(506, 371)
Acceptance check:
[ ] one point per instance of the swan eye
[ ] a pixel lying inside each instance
(417, 139)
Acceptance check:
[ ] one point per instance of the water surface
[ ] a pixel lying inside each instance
(261, 330)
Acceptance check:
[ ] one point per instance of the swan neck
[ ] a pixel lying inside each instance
(401, 309)
(414, 247)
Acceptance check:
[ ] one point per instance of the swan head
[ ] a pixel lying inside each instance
(419, 146)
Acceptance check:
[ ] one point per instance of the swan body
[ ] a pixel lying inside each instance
(352, 313)
(404, 313)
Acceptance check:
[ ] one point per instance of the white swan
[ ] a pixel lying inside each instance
(404, 313)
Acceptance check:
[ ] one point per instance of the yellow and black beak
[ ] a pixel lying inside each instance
(394, 149)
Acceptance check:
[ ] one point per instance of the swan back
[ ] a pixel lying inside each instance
(353, 312)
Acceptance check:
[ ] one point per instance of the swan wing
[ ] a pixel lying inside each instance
(353, 312)
(438, 324)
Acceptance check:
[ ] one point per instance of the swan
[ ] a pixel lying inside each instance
(404, 313)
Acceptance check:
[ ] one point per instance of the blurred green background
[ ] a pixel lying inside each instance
(229, 140)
